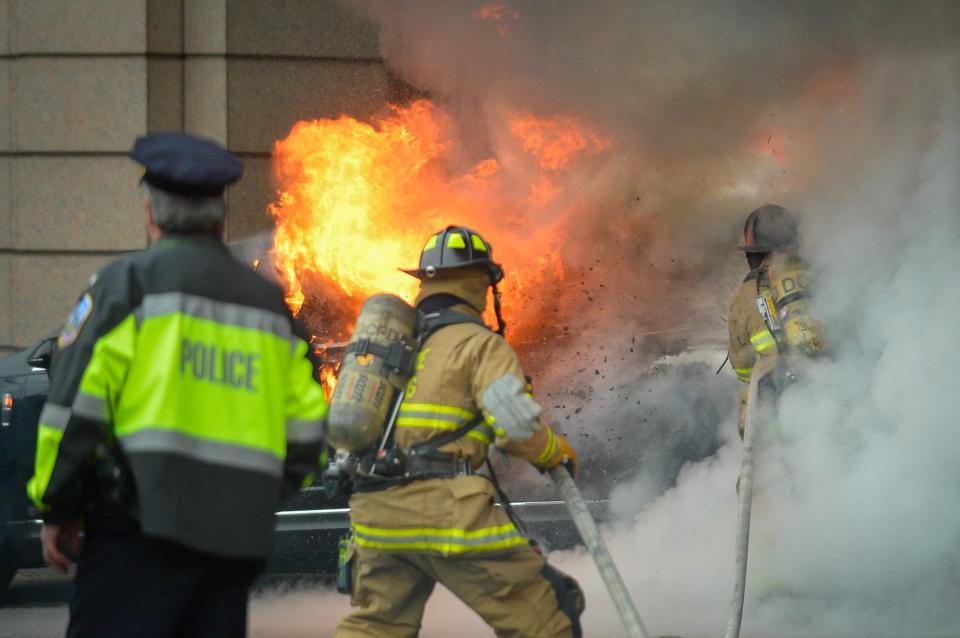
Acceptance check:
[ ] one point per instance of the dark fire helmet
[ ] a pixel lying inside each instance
(768, 228)
(456, 247)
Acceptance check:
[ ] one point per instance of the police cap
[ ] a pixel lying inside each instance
(186, 164)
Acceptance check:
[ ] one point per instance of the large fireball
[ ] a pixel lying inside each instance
(358, 200)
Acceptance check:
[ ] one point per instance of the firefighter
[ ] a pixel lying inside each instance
(444, 525)
(768, 317)
(182, 405)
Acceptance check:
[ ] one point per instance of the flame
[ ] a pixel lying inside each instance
(328, 379)
(496, 13)
(554, 141)
(358, 200)
(341, 213)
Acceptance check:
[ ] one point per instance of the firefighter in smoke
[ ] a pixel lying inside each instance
(182, 404)
(441, 522)
(768, 317)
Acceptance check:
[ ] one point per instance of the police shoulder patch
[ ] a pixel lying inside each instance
(75, 320)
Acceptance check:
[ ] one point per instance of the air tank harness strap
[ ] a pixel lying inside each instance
(433, 321)
(419, 462)
(397, 356)
(790, 297)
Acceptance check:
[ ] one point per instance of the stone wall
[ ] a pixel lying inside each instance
(80, 79)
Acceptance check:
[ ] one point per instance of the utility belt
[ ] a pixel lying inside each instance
(399, 466)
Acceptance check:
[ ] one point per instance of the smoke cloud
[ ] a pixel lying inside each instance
(849, 114)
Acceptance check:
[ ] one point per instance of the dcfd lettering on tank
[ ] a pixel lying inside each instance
(380, 331)
(211, 363)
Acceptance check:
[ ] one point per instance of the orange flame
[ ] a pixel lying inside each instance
(496, 13)
(358, 200)
(555, 140)
(328, 379)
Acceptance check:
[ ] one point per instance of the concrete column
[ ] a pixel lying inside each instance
(80, 79)
(291, 60)
(73, 94)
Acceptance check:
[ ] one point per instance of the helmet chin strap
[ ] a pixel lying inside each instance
(501, 325)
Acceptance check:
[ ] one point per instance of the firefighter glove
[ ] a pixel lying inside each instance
(559, 452)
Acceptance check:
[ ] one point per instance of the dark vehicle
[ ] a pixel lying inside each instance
(307, 529)
(23, 389)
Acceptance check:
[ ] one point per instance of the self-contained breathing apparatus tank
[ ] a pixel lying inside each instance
(787, 306)
(375, 370)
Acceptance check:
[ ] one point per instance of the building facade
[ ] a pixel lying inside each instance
(80, 79)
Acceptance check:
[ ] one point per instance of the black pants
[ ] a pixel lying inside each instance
(133, 586)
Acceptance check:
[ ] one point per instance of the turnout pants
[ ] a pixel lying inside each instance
(507, 589)
(131, 585)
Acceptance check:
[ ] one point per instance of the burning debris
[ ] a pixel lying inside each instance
(356, 199)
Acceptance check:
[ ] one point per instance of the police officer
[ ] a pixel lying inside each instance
(442, 524)
(768, 317)
(182, 406)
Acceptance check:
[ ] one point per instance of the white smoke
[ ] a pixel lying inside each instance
(856, 528)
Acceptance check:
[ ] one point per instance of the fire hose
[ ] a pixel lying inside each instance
(598, 549)
(735, 613)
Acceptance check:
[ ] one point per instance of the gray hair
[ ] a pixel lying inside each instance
(176, 213)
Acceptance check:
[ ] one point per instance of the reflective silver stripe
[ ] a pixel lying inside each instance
(236, 456)
(304, 431)
(440, 416)
(438, 421)
(91, 407)
(157, 305)
(442, 539)
(55, 416)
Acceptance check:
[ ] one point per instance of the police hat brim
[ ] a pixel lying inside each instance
(186, 164)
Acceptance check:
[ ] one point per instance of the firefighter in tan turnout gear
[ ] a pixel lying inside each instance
(768, 314)
(441, 523)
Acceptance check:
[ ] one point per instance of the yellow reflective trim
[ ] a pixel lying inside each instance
(436, 407)
(426, 422)
(446, 540)
(763, 340)
(765, 345)
(490, 421)
(444, 548)
(478, 243)
(431, 244)
(455, 240)
(479, 436)
(451, 532)
(481, 433)
(548, 450)
(744, 373)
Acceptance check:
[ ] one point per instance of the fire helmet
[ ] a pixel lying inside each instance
(456, 247)
(768, 228)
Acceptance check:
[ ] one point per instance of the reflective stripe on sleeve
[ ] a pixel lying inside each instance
(744, 373)
(442, 417)
(438, 408)
(304, 431)
(91, 406)
(55, 416)
(181, 444)
(763, 340)
(445, 540)
(548, 450)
